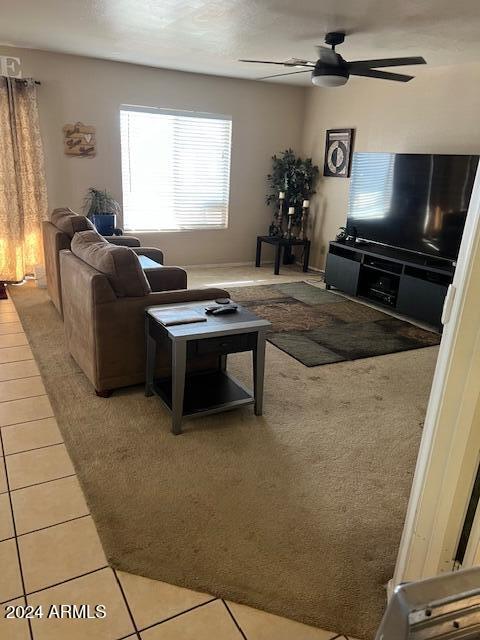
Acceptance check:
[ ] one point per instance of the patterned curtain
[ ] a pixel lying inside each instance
(23, 192)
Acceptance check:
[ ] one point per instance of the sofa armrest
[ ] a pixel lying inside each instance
(150, 252)
(130, 311)
(123, 241)
(166, 278)
(138, 305)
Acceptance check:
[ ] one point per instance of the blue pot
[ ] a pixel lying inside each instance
(105, 223)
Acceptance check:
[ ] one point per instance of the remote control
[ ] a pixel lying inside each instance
(211, 308)
(224, 310)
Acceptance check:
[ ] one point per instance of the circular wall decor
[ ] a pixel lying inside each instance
(337, 157)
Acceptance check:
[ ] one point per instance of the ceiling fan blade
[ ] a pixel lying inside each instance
(381, 75)
(387, 62)
(327, 55)
(299, 62)
(287, 63)
(290, 73)
(262, 61)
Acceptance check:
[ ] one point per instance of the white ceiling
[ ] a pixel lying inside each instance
(209, 36)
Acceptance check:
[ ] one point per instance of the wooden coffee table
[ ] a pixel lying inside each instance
(215, 390)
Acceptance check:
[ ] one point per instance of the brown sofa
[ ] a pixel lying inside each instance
(58, 234)
(105, 293)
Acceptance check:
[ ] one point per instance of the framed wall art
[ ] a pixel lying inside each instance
(79, 140)
(338, 153)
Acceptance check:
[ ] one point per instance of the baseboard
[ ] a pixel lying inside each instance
(310, 268)
(220, 265)
(317, 270)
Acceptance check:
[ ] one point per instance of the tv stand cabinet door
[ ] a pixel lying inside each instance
(342, 273)
(421, 299)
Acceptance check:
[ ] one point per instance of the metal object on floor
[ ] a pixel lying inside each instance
(446, 607)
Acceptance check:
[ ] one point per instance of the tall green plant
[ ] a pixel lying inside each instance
(97, 202)
(293, 175)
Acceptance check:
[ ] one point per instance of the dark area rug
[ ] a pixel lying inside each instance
(299, 512)
(317, 327)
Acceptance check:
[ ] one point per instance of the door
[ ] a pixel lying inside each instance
(421, 299)
(448, 458)
(342, 273)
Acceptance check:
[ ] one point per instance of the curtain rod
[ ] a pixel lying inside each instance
(24, 80)
(20, 79)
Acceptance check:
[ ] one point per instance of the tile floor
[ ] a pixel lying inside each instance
(50, 552)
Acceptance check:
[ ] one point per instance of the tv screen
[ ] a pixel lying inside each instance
(411, 201)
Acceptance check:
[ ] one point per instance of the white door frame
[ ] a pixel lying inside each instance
(448, 457)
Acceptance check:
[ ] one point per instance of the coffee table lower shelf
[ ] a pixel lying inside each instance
(206, 392)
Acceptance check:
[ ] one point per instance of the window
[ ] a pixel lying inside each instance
(175, 169)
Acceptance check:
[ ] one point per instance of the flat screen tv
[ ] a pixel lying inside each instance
(411, 201)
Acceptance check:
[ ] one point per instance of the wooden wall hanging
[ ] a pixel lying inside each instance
(79, 140)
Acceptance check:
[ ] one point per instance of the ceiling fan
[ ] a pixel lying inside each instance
(331, 70)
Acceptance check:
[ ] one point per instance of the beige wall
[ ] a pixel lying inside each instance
(437, 112)
(266, 118)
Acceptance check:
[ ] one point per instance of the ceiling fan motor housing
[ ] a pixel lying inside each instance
(328, 75)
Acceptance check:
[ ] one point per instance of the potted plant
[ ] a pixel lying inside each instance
(102, 209)
(341, 235)
(295, 178)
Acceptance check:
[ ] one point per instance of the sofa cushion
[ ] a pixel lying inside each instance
(119, 264)
(70, 222)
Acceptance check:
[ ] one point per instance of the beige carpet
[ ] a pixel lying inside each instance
(298, 513)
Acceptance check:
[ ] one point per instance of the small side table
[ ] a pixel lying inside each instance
(279, 244)
(201, 393)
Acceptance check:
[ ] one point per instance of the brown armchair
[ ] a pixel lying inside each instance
(105, 293)
(57, 235)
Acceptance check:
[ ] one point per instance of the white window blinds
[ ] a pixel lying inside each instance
(371, 186)
(175, 169)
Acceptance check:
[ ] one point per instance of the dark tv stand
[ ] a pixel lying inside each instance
(409, 283)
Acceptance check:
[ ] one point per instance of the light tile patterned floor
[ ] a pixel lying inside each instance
(50, 552)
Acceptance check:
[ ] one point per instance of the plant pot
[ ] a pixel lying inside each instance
(105, 223)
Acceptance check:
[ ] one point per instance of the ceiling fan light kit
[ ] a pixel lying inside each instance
(324, 77)
(331, 70)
